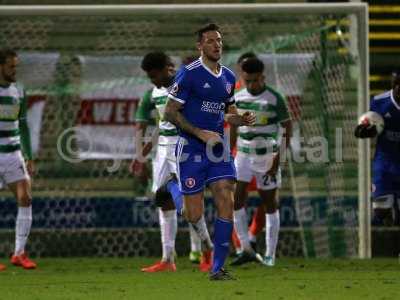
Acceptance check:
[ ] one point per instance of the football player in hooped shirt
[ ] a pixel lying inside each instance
(199, 101)
(386, 164)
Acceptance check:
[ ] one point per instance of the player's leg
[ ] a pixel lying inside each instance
(173, 188)
(383, 197)
(223, 192)
(22, 192)
(191, 177)
(167, 212)
(195, 245)
(236, 242)
(241, 225)
(258, 219)
(244, 175)
(240, 215)
(257, 225)
(194, 214)
(18, 182)
(177, 197)
(268, 190)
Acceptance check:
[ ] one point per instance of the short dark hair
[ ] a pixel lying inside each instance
(6, 53)
(206, 28)
(245, 55)
(253, 65)
(155, 61)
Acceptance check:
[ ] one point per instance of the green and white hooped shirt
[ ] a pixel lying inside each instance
(270, 110)
(157, 98)
(14, 132)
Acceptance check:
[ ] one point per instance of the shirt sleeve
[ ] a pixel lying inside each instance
(231, 99)
(24, 129)
(180, 90)
(230, 88)
(145, 107)
(282, 111)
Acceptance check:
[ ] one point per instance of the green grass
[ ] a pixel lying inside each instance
(118, 279)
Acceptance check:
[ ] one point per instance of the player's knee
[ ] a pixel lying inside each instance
(162, 197)
(24, 200)
(192, 215)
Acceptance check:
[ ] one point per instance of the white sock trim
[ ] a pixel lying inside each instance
(201, 228)
(272, 233)
(242, 227)
(23, 226)
(168, 228)
(195, 241)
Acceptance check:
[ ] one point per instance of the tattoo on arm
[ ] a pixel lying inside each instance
(172, 114)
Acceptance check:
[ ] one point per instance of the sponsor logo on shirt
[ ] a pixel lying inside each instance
(213, 107)
(206, 85)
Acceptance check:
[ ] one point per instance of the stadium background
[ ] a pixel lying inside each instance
(110, 213)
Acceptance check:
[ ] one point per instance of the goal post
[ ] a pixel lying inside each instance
(317, 55)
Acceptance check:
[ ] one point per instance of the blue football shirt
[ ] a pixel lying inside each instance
(388, 143)
(204, 96)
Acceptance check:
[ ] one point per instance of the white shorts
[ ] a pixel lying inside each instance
(248, 166)
(12, 168)
(164, 164)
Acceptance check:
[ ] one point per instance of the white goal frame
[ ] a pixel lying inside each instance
(361, 27)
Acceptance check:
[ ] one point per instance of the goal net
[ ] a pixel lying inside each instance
(81, 70)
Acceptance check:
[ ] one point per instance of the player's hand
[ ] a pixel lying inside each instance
(275, 165)
(365, 130)
(248, 119)
(147, 149)
(30, 166)
(137, 168)
(209, 137)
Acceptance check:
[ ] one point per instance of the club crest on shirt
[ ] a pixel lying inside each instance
(174, 89)
(228, 87)
(190, 182)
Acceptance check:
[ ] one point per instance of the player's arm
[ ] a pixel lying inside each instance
(178, 96)
(365, 129)
(142, 116)
(235, 119)
(25, 136)
(174, 115)
(285, 122)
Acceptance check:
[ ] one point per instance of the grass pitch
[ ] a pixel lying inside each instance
(119, 279)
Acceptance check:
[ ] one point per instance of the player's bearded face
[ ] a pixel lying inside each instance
(254, 82)
(211, 45)
(9, 69)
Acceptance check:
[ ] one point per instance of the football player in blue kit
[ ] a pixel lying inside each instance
(386, 163)
(199, 101)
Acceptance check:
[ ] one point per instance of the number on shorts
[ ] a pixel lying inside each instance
(268, 180)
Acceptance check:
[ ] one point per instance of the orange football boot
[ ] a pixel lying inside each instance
(161, 266)
(22, 260)
(206, 261)
(2, 267)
